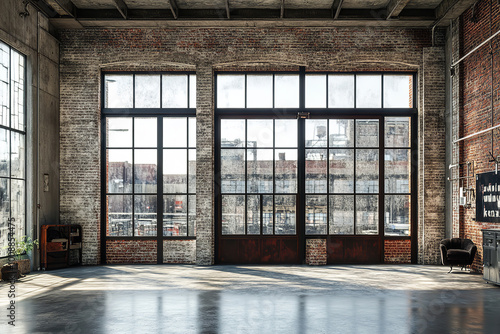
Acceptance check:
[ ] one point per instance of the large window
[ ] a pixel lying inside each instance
(12, 144)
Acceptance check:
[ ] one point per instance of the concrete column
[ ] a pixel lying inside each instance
(205, 221)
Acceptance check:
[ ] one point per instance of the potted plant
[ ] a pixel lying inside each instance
(20, 248)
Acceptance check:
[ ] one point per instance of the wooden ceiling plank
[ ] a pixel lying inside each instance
(122, 8)
(395, 7)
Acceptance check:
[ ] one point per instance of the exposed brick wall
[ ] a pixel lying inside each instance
(316, 252)
(397, 251)
(179, 251)
(131, 251)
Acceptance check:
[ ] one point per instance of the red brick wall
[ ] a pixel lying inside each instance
(316, 252)
(397, 251)
(131, 251)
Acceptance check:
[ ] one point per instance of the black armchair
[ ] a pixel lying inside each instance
(457, 252)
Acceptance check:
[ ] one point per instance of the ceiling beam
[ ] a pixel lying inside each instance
(395, 7)
(282, 9)
(122, 8)
(227, 10)
(336, 8)
(449, 10)
(174, 8)
(63, 7)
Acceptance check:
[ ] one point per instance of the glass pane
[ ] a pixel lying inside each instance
(232, 133)
(260, 133)
(397, 215)
(4, 152)
(119, 171)
(316, 212)
(367, 132)
(192, 91)
(285, 213)
(259, 171)
(174, 91)
(253, 214)
(18, 155)
(118, 91)
(192, 171)
(285, 171)
(145, 215)
(341, 171)
(119, 132)
(341, 133)
(147, 91)
(192, 131)
(192, 216)
(230, 91)
(232, 171)
(175, 171)
(233, 214)
(342, 214)
(4, 85)
(285, 133)
(316, 171)
(267, 214)
(174, 132)
(145, 171)
(18, 204)
(4, 213)
(174, 215)
(340, 91)
(368, 91)
(145, 132)
(367, 214)
(397, 131)
(286, 91)
(259, 91)
(367, 168)
(316, 133)
(397, 171)
(315, 91)
(398, 91)
(17, 91)
(119, 216)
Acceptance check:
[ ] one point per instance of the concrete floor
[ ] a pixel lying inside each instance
(253, 299)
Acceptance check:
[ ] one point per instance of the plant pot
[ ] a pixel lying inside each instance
(24, 266)
(10, 272)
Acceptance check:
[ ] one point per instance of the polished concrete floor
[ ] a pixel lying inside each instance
(252, 299)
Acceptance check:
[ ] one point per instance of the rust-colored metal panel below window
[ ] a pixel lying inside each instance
(258, 250)
(354, 249)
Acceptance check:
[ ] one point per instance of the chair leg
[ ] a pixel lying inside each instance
(451, 268)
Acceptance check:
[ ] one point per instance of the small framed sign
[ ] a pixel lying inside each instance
(488, 197)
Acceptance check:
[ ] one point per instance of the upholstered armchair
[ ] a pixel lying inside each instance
(457, 252)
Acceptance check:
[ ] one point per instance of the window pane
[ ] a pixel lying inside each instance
(285, 133)
(259, 91)
(233, 214)
(340, 91)
(145, 132)
(17, 91)
(397, 215)
(118, 91)
(285, 171)
(119, 171)
(4, 84)
(367, 133)
(285, 214)
(147, 91)
(368, 91)
(4, 214)
(233, 171)
(267, 214)
(232, 133)
(119, 132)
(367, 168)
(286, 91)
(230, 91)
(175, 91)
(315, 91)
(398, 91)
(145, 215)
(253, 214)
(397, 170)
(18, 205)
(259, 171)
(174, 132)
(192, 131)
(397, 131)
(174, 215)
(316, 211)
(145, 171)
(4, 152)
(192, 171)
(192, 216)
(341, 171)
(367, 214)
(316, 133)
(119, 216)
(192, 91)
(341, 133)
(175, 171)
(260, 133)
(316, 171)
(18, 154)
(342, 214)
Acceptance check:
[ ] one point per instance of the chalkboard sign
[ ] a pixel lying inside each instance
(488, 197)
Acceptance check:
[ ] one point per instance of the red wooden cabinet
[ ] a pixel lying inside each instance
(60, 246)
